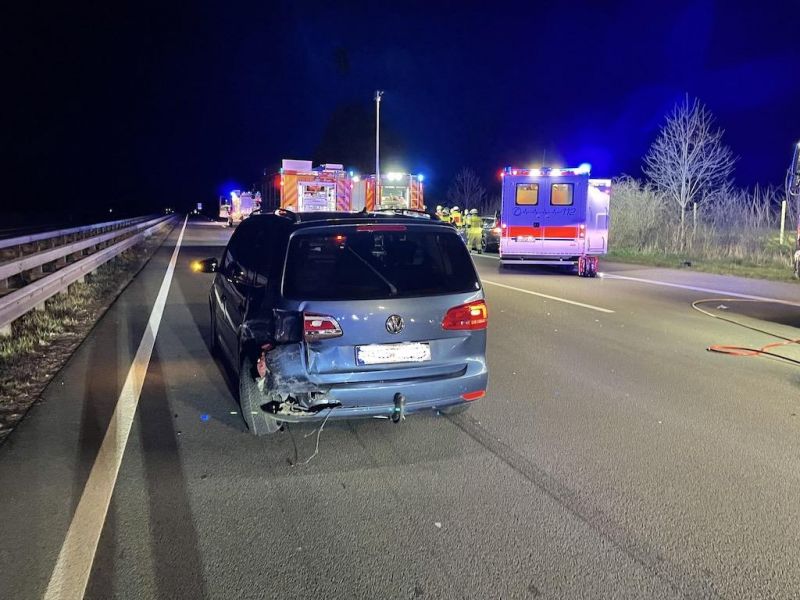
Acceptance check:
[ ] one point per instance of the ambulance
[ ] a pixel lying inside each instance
(397, 191)
(552, 216)
(301, 187)
(239, 207)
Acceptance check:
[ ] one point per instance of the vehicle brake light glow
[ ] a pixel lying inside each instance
(473, 395)
(381, 228)
(317, 327)
(496, 230)
(467, 317)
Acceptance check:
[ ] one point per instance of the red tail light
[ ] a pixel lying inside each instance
(320, 327)
(469, 396)
(470, 316)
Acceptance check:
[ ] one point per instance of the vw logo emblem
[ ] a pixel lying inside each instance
(394, 324)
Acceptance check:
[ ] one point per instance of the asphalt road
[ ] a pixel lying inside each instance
(614, 457)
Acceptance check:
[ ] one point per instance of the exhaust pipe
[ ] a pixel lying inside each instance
(398, 414)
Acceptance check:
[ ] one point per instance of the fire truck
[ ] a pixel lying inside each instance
(553, 216)
(239, 207)
(301, 187)
(395, 191)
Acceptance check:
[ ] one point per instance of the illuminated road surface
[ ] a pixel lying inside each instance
(614, 457)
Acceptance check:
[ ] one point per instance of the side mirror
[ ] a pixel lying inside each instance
(208, 265)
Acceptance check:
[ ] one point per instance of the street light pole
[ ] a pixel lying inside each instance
(378, 94)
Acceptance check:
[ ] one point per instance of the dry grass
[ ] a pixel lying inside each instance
(48, 337)
(735, 231)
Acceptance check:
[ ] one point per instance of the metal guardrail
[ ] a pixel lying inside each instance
(17, 303)
(39, 259)
(24, 240)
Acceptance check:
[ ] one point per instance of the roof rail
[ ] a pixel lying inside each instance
(410, 212)
(286, 214)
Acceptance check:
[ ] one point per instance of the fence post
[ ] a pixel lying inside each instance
(783, 218)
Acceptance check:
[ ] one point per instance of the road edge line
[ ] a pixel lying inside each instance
(698, 289)
(556, 298)
(71, 573)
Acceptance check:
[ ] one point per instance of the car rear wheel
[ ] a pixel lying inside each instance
(456, 409)
(250, 401)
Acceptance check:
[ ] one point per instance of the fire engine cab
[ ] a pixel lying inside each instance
(396, 191)
(553, 216)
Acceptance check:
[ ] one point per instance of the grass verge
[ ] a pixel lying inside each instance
(737, 267)
(47, 338)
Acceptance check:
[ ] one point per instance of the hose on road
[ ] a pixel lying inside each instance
(743, 350)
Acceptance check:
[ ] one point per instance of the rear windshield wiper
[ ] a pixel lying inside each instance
(392, 288)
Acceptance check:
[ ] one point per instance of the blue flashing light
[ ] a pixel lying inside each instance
(584, 168)
(420, 177)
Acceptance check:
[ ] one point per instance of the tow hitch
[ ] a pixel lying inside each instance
(398, 414)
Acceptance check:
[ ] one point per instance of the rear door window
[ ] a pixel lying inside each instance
(527, 194)
(561, 194)
(372, 262)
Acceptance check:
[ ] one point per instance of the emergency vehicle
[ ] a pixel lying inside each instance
(300, 187)
(396, 191)
(554, 216)
(240, 206)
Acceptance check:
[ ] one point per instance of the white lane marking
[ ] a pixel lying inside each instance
(698, 289)
(74, 565)
(493, 257)
(556, 298)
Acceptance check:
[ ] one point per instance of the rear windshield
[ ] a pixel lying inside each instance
(363, 263)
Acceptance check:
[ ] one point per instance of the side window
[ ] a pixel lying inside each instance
(231, 254)
(261, 252)
(561, 194)
(233, 267)
(527, 194)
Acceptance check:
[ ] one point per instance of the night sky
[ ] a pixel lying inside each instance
(144, 105)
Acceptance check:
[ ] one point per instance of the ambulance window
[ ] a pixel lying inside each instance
(561, 194)
(527, 194)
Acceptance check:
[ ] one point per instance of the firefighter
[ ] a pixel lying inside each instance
(445, 216)
(455, 217)
(439, 211)
(474, 226)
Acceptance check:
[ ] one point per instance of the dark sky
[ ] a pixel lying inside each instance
(143, 105)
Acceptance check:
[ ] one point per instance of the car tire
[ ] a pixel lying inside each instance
(456, 409)
(484, 246)
(250, 399)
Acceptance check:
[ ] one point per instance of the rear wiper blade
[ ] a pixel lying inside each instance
(392, 288)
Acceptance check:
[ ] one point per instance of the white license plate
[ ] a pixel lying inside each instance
(378, 354)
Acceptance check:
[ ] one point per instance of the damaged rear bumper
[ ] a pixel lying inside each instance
(292, 397)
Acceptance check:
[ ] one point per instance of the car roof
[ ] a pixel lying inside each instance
(315, 219)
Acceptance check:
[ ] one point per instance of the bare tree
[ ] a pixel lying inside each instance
(466, 190)
(688, 160)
